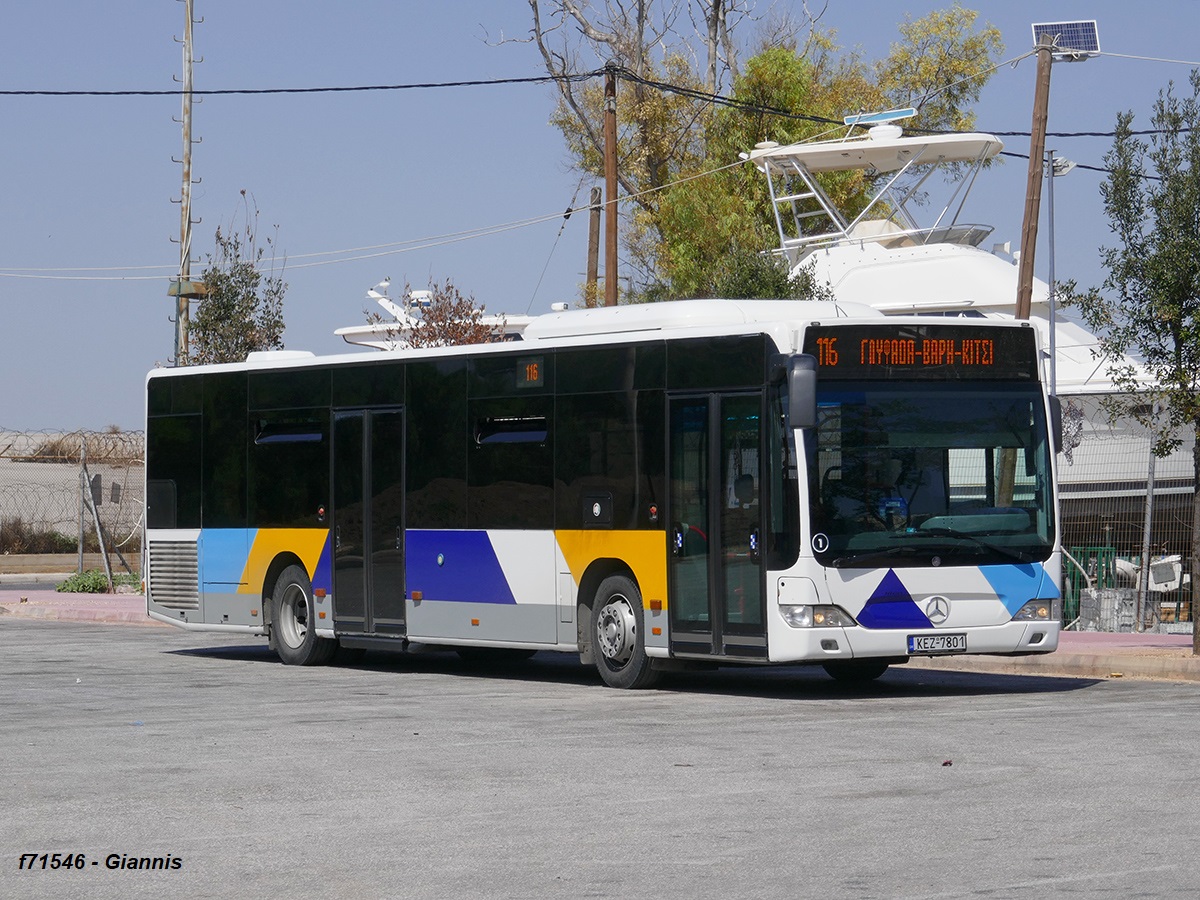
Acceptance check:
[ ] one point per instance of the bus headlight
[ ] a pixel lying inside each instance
(816, 617)
(1035, 611)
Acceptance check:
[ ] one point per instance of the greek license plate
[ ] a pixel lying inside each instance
(937, 643)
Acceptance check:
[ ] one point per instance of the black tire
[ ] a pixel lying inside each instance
(617, 633)
(858, 671)
(293, 619)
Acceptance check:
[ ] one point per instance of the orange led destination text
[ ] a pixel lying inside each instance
(927, 352)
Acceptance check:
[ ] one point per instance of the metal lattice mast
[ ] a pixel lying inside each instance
(184, 290)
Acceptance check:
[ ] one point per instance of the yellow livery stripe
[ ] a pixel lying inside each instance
(268, 543)
(645, 552)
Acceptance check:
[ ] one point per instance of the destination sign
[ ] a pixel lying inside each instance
(932, 352)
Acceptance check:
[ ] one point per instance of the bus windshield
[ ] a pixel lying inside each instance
(918, 473)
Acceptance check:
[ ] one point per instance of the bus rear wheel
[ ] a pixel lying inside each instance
(617, 623)
(859, 671)
(293, 621)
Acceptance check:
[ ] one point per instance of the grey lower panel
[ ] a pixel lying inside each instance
(434, 620)
(216, 608)
(233, 609)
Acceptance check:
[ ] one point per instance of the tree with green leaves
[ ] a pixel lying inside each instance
(242, 307)
(1147, 313)
(940, 67)
(687, 207)
(721, 208)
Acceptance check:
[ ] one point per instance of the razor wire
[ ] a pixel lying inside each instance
(42, 500)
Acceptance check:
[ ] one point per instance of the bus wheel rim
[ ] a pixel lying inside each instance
(293, 616)
(616, 630)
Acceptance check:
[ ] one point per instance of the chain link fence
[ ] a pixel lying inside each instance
(55, 486)
(1127, 523)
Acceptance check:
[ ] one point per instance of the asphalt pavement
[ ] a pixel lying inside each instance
(1080, 654)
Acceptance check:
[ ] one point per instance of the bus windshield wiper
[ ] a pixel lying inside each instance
(1010, 552)
(875, 556)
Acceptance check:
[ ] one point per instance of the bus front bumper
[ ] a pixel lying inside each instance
(826, 644)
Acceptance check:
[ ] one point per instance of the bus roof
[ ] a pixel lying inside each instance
(678, 319)
(682, 314)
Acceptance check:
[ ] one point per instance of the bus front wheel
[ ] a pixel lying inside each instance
(293, 621)
(617, 620)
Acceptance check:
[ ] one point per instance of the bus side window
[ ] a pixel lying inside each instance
(510, 466)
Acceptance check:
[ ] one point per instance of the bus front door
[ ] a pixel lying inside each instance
(716, 569)
(368, 521)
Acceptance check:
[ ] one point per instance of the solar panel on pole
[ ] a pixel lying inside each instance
(1072, 40)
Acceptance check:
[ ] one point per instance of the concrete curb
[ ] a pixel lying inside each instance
(1064, 663)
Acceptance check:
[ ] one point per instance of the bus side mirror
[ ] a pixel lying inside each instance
(1056, 432)
(802, 391)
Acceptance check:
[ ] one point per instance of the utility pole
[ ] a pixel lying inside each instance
(610, 185)
(1033, 189)
(591, 293)
(184, 290)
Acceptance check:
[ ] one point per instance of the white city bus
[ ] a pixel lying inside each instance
(732, 482)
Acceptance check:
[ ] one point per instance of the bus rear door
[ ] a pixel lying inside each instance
(368, 521)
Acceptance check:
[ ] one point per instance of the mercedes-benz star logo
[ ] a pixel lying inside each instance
(937, 609)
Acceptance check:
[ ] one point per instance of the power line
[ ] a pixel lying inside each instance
(627, 74)
(721, 100)
(1182, 62)
(455, 237)
(379, 250)
(217, 92)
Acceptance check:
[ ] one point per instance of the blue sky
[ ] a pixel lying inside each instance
(88, 181)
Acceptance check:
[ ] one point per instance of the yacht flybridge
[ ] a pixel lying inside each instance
(888, 221)
(904, 254)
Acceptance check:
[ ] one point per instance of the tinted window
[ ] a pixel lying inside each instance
(174, 395)
(715, 363)
(173, 472)
(369, 385)
(608, 449)
(783, 511)
(610, 369)
(289, 469)
(289, 389)
(224, 460)
(437, 444)
(510, 482)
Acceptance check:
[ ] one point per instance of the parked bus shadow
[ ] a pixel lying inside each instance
(811, 683)
(773, 682)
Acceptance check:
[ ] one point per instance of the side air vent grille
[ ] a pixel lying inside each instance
(174, 574)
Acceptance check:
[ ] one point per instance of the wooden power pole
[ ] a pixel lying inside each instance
(1033, 189)
(610, 186)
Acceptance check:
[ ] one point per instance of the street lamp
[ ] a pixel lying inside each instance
(1055, 166)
